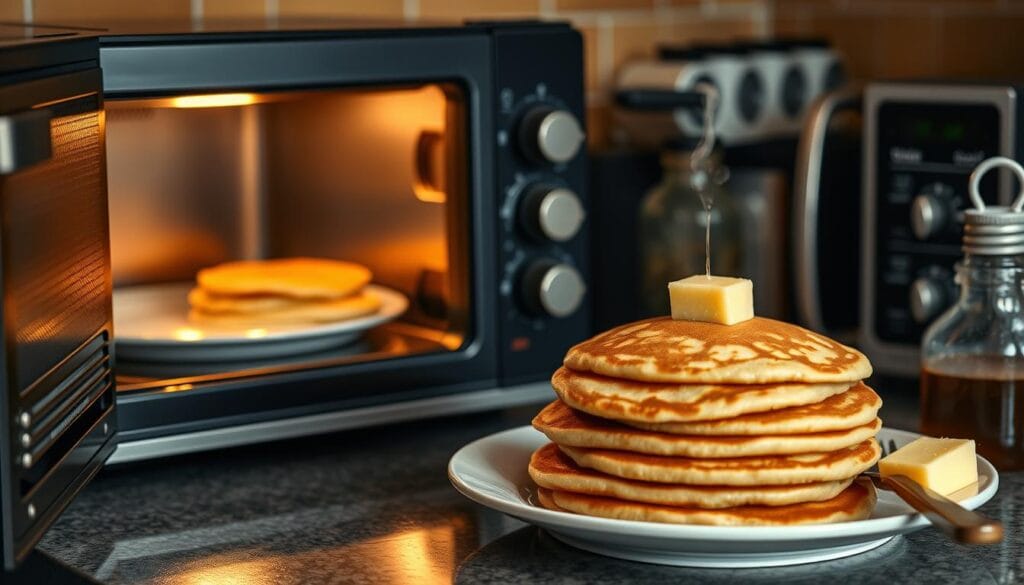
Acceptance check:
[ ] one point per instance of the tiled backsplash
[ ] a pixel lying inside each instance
(905, 38)
(880, 38)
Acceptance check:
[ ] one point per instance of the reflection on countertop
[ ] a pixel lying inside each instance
(375, 506)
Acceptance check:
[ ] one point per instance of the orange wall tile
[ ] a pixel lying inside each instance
(983, 46)
(879, 38)
(598, 125)
(234, 9)
(895, 57)
(460, 9)
(853, 36)
(604, 4)
(353, 8)
(914, 38)
(787, 9)
(791, 26)
(591, 57)
(98, 10)
(10, 10)
(716, 29)
(641, 41)
(637, 41)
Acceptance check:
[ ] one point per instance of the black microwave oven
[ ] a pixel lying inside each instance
(448, 160)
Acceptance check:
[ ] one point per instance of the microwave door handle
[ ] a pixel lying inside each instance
(806, 196)
(24, 140)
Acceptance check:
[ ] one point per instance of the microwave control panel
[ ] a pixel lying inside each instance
(544, 305)
(924, 154)
(925, 157)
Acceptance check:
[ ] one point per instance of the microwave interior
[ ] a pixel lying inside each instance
(371, 175)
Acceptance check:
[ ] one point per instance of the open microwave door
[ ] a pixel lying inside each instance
(57, 389)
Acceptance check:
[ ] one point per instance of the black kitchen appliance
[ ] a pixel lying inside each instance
(58, 389)
(447, 159)
(920, 142)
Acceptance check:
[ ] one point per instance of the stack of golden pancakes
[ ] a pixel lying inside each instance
(281, 291)
(664, 420)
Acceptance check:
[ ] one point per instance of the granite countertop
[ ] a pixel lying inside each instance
(375, 506)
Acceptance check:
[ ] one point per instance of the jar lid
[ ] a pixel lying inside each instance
(994, 230)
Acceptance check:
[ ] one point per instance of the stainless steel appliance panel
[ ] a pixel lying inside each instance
(341, 182)
(178, 204)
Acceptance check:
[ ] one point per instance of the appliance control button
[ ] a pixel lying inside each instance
(553, 288)
(552, 213)
(550, 135)
(927, 298)
(751, 96)
(24, 419)
(928, 216)
(794, 91)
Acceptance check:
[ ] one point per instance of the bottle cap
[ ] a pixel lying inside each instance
(994, 230)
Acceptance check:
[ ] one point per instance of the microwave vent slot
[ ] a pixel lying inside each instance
(53, 423)
(79, 388)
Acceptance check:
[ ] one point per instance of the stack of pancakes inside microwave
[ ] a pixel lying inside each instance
(759, 423)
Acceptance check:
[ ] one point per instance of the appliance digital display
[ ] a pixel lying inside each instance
(929, 130)
(937, 130)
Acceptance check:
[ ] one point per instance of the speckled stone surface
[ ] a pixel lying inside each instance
(375, 506)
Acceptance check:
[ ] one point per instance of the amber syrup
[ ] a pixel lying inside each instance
(976, 399)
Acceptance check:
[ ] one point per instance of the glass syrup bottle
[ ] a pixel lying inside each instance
(972, 369)
(684, 217)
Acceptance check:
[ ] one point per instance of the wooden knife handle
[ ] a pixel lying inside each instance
(959, 523)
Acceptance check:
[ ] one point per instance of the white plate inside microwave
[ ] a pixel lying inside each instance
(151, 324)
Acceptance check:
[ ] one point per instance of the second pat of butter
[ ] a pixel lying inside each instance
(943, 465)
(714, 299)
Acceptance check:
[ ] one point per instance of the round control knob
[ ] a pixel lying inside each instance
(550, 135)
(927, 298)
(551, 288)
(929, 216)
(552, 214)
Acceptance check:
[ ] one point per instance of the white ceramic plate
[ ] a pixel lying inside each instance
(492, 471)
(151, 324)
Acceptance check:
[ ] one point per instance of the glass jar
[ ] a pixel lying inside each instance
(673, 223)
(972, 376)
(972, 368)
